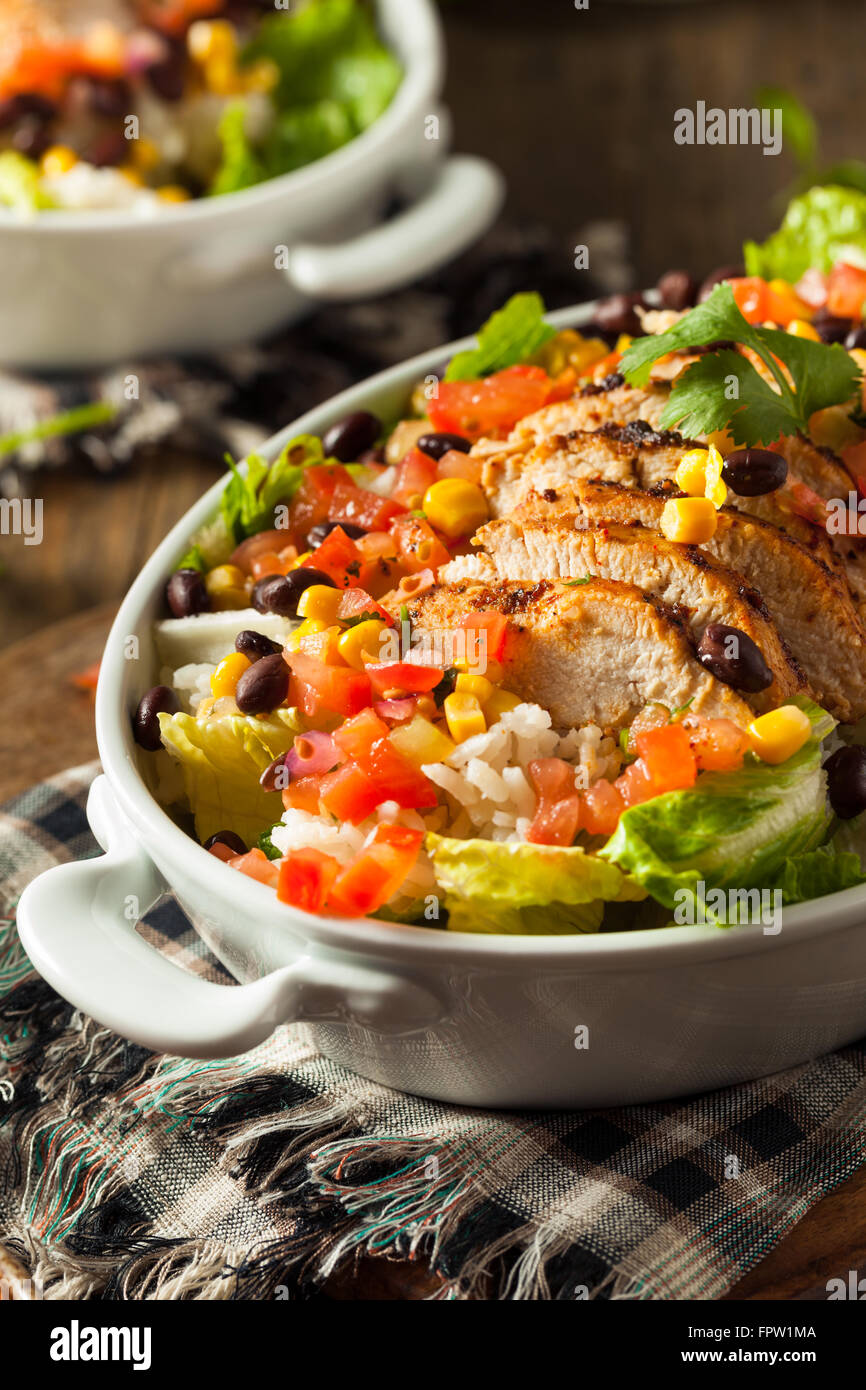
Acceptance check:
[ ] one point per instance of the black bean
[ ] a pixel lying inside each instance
(109, 150)
(109, 97)
(263, 686)
(376, 455)
(145, 724)
(831, 328)
(616, 314)
(186, 593)
(857, 337)
(168, 77)
(846, 781)
(319, 533)
(350, 437)
(279, 593)
(731, 656)
(437, 445)
(31, 138)
(677, 290)
(229, 839)
(16, 108)
(275, 777)
(715, 277)
(255, 645)
(754, 472)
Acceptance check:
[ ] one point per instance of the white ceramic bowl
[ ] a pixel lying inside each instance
(481, 1020)
(80, 289)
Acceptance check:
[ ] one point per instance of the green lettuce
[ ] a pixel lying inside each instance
(21, 184)
(240, 166)
(819, 872)
(733, 829)
(249, 498)
(222, 760)
(509, 337)
(518, 888)
(825, 225)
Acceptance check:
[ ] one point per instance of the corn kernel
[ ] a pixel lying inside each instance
(221, 76)
(479, 686)
(131, 175)
(623, 342)
(801, 329)
(777, 736)
(320, 601)
(173, 193)
(455, 506)
(691, 474)
(144, 154)
(211, 38)
(224, 680)
(260, 76)
(714, 486)
(464, 716)
(323, 645)
(226, 586)
(59, 159)
(500, 702)
(301, 560)
(689, 520)
(303, 630)
(859, 355)
(360, 644)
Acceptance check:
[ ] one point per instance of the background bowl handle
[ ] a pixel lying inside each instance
(77, 924)
(459, 205)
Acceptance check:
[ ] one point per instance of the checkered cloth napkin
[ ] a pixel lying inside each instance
(128, 1175)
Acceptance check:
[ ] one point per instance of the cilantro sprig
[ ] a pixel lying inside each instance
(509, 337)
(723, 390)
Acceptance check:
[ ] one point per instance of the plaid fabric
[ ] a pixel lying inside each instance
(135, 1176)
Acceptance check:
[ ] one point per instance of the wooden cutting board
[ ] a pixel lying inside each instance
(47, 724)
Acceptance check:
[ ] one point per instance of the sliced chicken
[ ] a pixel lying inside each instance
(593, 654)
(682, 576)
(807, 599)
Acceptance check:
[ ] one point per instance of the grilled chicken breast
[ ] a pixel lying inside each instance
(593, 654)
(682, 576)
(807, 600)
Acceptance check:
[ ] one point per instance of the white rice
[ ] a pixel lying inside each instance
(191, 683)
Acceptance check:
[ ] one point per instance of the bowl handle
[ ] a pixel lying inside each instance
(459, 205)
(77, 924)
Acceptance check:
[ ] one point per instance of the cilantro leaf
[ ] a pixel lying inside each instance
(724, 390)
(509, 337)
(249, 499)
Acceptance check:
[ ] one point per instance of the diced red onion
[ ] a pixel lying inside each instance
(312, 754)
(396, 711)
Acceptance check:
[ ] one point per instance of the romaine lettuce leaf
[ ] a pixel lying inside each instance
(21, 184)
(825, 225)
(733, 829)
(249, 498)
(222, 760)
(241, 167)
(819, 872)
(537, 889)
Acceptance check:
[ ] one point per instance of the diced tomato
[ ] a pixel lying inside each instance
(257, 865)
(317, 688)
(751, 295)
(491, 629)
(807, 504)
(377, 545)
(378, 871)
(455, 464)
(264, 543)
(310, 504)
(356, 601)
(411, 585)
(397, 779)
(555, 822)
(412, 478)
(603, 368)
(812, 288)
(356, 737)
(338, 556)
(563, 386)
(418, 546)
(361, 507)
(846, 291)
(302, 794)
(667, 758)
(350, 793)
(491, 406)
(223, 852)
(784, 304)
(267, 563)
(405, 676)
(634, 784)
(306, 877)
(551, 778)
(602, 807)
(718, 744)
